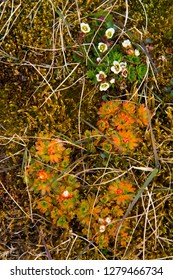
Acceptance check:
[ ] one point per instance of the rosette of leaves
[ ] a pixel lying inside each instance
(65, 202)
(99, 218)
(50, 158)
(56, 190)
(61, 202)
(52, 150)
(121, 123)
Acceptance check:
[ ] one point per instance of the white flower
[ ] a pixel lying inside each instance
(102, 228)
(112, 81)
(98, 59)
(137, 53)
(101, 76)
(126, 44)
(108, 220)
(102, 47)
(85, 28)
(104, 86)
(109, 33)
(116, 68)
(124, 72)
(123, 65)
(65, 194)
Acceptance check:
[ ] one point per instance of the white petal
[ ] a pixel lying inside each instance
(85, 28)
(109, 32)
(126, 44)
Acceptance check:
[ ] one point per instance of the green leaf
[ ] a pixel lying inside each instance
(102, 155)
(167, 89)
(77, 57)
(109, 18)
(104, 97)
(131, 74)
(133, 59)
(91, 75)
(117, 56)
(62, 222)
(171, 82)
(141, 71)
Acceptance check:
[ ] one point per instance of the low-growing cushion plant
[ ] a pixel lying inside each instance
(61, 198)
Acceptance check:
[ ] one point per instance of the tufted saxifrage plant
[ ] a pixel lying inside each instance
(59, 196)
(100, 218)
(110, 61)
(57, 193)
(121, 123)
